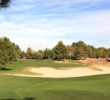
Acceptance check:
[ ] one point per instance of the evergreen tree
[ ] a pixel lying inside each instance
(59, 51)
(47, 54)
(39, 55)
(7, 51)
(70, 52)
(80, 50)
(29, 53)
(101, 52)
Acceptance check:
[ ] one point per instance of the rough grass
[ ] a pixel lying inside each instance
(25, 88)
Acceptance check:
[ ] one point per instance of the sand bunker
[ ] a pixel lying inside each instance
(70, 72)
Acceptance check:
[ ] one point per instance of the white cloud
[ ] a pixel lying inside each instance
(45, 30)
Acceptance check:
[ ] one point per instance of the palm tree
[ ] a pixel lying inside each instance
(4, 3)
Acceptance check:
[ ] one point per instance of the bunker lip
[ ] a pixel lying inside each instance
(49, 72)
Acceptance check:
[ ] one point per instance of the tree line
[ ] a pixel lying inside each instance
(10, 52)
(76, 51)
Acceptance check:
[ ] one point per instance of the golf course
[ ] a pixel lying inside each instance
(16, 87)
(55, 50)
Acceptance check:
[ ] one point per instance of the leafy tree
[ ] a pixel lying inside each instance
(70, 52)
(10, 49)
(7, 51)
(4, 3)
(80, 50)
(91, 51)
(47, 54)
(108, 53)
(59, 51)
(22, 55)
(29, 53)
(39, 55)
(18, 50)
(101, 52)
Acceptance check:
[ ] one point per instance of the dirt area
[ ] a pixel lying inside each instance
(87, 61)
(95, 61)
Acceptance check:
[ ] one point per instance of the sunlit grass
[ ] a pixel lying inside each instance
(29, 88)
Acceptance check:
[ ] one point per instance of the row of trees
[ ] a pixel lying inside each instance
(78, 50)
(9, 51)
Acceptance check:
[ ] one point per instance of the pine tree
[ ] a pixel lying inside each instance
(59, 51)
(7, 51)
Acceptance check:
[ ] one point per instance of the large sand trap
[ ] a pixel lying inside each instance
(71, 72)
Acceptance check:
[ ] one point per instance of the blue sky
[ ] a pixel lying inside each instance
(40, 24)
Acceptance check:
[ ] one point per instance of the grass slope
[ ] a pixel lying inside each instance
(85, 88)
(24, 88)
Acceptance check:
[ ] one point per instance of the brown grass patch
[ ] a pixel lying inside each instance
(66, 68)
(26, 71)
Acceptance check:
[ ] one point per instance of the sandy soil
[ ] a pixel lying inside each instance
(69, 72)
(95, 61)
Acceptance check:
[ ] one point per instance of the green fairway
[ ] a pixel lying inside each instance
(21, 64)
(25, 88)
(86, 88)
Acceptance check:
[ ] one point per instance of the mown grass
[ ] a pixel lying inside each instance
(21, 64)
(28, 88)
(85, 88)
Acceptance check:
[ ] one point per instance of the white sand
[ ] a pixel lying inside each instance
(62, 73)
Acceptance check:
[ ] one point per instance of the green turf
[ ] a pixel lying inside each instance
(85, 88)
(20, 64)
(25, 88)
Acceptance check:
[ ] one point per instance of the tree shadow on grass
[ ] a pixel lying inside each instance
(4, 69)
(26, 98)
